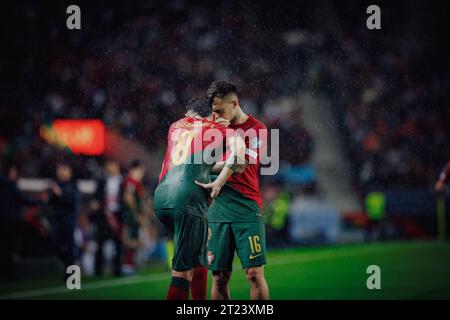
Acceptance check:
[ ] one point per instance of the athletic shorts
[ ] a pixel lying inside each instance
(190, 235)
(248, 239)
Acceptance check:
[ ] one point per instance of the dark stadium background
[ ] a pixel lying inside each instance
(385, 94)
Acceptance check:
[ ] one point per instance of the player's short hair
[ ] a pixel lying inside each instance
(201, 106)
(220, 89)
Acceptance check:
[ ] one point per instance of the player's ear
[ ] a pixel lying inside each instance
(235, 102)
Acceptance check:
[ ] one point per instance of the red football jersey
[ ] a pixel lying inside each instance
(254, 132)
(187, 136)
(136, 188)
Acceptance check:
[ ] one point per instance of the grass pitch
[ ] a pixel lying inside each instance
(409, 270)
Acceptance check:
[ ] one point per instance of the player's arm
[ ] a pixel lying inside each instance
(236, 161)
(218, 167)
(237, 144)
(233, 164)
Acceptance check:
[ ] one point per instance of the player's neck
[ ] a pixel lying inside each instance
(240, 118)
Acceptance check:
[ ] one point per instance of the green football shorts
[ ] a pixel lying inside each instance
(190, 235)
(248, 239)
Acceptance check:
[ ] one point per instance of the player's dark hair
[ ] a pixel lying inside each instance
(135, 164)
(220, 89)
(201, 106)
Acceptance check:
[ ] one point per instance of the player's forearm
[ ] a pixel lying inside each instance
(236, 161)
(240, 163)
(225, 173)
(218, 167)
(239, 166)
(232, 165)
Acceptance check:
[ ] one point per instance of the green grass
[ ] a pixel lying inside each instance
(409, 270)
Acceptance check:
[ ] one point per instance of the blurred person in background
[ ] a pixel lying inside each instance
(106, 206)
(443, 178)
(12, 201)
(133, 208)
(277, 202)
(64, 199)
(85, 243)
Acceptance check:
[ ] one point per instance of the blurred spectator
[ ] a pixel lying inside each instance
(12, 200)
(394, 119)
(138, 78)
(132, 213)
(106, 206)
(64, 199)
(443, 178)
(276, 207)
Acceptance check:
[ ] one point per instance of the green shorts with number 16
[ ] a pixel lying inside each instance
(246, 238)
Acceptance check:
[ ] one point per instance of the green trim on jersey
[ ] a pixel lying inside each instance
(177, 190)
(231, 206)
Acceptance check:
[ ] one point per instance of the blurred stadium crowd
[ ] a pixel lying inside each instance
(138, 79)
(136, 71)
(394, 110)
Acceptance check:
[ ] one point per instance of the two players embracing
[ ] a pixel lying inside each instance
(210, 235)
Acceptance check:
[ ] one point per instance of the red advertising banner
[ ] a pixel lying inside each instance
(80, 136)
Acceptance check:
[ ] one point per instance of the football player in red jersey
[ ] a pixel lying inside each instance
(235, 216)
(180, 204)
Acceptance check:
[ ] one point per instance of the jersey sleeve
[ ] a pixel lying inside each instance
(256, 144)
